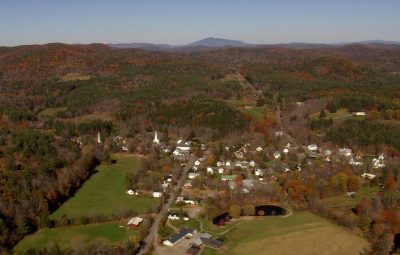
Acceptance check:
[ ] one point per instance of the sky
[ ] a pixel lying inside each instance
(185, 21)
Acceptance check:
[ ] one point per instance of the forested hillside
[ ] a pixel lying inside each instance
(55, 99)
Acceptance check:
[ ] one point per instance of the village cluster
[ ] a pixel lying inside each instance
(250, 165)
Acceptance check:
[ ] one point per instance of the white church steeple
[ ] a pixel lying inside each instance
(156, 141)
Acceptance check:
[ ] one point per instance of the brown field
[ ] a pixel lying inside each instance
(75, 76)
(327, 240)
(302, 233)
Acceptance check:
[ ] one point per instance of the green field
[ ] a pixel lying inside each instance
(209, 251)
(51, 112)
(256, 112)
(345, 202)
(300, 233)
(109, 232)
(104, 193)
(191, 223)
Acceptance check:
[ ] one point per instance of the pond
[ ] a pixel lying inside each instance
(260, 210)
(269, 210)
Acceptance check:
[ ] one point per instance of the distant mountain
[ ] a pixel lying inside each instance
(204, 44)
(210, 43)
(369, 42)
(218, 43)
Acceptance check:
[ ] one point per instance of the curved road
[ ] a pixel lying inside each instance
(149, 239)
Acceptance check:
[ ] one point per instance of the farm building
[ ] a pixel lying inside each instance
(193, 250)
(181, 234)
(134, 222)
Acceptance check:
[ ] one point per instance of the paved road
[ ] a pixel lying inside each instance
(163, 213)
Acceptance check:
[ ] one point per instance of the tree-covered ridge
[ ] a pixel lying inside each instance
(366, 133)
(200, 112)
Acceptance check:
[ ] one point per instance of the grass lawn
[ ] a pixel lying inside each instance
(345, 202)
(191, 223)
(104, 193)
(50, 112)
(209, 251)
(300, 233)
(342, 113)
(259, 112)
(339, 114)
(109, 232)
(256, 112)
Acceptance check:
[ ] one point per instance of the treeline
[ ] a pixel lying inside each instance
(365, 133)
(16, 114)
(91, 127)
(39, 173)
(201, 112)
(358, 102)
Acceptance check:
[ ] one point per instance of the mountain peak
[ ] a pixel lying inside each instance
(218, 42)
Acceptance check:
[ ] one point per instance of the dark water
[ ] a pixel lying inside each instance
(261, 210)
(269, 210)
(396, 242)
(221, 219)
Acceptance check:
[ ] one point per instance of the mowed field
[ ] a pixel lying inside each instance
(104, 193)
(64, 237)
(302, 233)
(347, 203)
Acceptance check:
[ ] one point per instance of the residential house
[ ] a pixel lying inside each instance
(344, 152)
(368, 176)
(157, 194)
(131, 192)
(192, 175)
(312, 147)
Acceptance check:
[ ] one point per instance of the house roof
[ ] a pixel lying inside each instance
(193, 250)
(208, 241)
(135, 221)
(180, 234)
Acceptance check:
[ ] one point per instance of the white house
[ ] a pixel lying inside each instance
(345, 152)
(191, 176)
(219, 163)
(355, 163)
(258, 172)
(221, 170)
(131, 192)
(368, 176)
(259, 149)
(360, 113)
(277, 155)
(197, 163)
(210, 170)
(312, 147)
(157, 194)
(286, 151)
(252, 163)
(228, 163)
